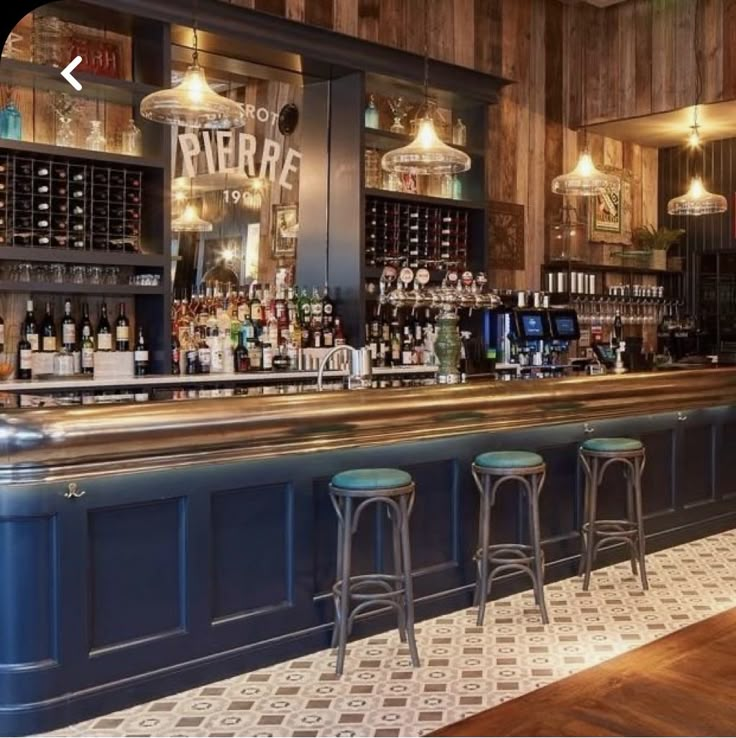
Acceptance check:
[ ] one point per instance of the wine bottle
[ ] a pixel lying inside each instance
(30, 330)
(140, 355)
(48, 331)
(104, 333)
(122, 330)
(175, 354)
(242, 360)
(85, 322)
(68, 328)
(88, 351)
(2, 335)
(24, 370)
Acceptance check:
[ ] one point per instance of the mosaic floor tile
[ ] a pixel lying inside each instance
(465, 669)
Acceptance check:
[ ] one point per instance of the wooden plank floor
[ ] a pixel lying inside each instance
(682, 684)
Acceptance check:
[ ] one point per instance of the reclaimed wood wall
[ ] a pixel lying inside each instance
(529, 138)
(638, 57)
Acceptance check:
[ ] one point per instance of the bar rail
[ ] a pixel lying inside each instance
(48, 443)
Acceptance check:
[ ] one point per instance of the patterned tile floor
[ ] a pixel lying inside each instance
(465, 669)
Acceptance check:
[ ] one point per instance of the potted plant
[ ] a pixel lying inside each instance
(657, 241)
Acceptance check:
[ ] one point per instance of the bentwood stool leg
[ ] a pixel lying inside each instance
(397, 555)
(536, 487)
(339, 569)
(586, 506)
(641, 540)
(408, 585)
(590, 534)
(347, 535)
(630, 474)
(481, 584)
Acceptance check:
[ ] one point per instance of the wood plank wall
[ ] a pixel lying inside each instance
(647, 58)
(529, 137)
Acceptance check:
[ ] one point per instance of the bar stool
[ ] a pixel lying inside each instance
(596, 456)
(490, 471)
(351, 492)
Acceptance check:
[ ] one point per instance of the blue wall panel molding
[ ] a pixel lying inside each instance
(158, 581)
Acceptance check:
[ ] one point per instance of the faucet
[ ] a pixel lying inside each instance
(360, 367)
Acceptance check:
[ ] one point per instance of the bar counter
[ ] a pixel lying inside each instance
(149, 548)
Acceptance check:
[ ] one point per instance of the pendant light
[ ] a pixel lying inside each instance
(427, 153)
(189, 220)
(585, 180)
(193, 103)
(697, 200)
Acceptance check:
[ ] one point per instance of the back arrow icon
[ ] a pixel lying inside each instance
(66, 73)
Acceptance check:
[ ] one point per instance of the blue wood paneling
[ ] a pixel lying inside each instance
(136, 572)
(28, 598)
(255, 570)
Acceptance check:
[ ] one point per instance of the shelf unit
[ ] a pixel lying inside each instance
(378, 138)
(425, 199)
(150, 66)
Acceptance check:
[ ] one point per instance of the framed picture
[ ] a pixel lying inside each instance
(506, 235)
(284, 231)
(610, 212)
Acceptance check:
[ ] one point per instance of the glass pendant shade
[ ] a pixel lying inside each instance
(190, 222)
(567, 237)
(697, 201)
(426, 154)
(193, 104)
(585, 180)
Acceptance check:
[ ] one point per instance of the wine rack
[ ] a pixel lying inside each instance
(415, 234)
(56, 203)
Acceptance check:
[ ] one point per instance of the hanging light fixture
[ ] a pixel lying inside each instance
(427, 153)
(193, 103)
(697, 200)
(585, 180)
(190, 222)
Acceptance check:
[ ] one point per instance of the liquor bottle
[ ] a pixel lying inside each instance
(122, 330)
(305, 309)
(271, 332)
(315, 336)
(175, 353)
(68, 328)
(339, 333)
(85, 322)
(395, 344)
(256, 309)
(328, 308)
(192, 359)
(204, 355)
(328, 335)
(88, 351)
(255, 351)
(48, 331)
(267, 357)
(242, 360)
(104, 332)
(407, 347)
(30, 330)
(140, 355)
(317, 318)
(24, 370)
(280, 311)
(291, 307)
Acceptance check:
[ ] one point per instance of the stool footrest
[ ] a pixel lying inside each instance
(603, 528)
(507, 553)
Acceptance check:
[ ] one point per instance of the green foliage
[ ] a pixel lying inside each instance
(657, 239)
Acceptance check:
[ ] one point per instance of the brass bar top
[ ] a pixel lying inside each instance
(51, 442)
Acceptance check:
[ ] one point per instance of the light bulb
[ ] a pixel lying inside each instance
(693, 140)
(585, 166)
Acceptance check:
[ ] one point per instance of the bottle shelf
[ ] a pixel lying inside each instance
(81, 256)
(425, 199)
(69, 288)
(576, 266)
(105, 157)
(378, 138)
(108, 89)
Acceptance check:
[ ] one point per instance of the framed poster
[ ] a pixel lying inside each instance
(285, 231)
(610, 211)
(506, 235)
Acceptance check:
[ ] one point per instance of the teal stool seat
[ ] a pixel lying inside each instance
(613, 445)
(508, 460)
(369, 479)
